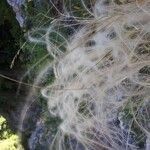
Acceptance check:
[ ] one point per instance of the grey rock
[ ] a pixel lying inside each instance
(17, 8)
(40, 138)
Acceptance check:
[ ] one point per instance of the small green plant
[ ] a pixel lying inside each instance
(8, 140)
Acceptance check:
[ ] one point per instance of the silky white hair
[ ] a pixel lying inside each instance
(106, 66)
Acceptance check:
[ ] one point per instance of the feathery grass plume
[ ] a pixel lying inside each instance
(102, 87)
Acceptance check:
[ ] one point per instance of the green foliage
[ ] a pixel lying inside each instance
(77, 8)
(37, 14)
(35, 57)
(5, 132)
(8, 140)
(129, 112)
(10, 34)
(11, 143)
(51, 122)
(84, 110)
(6, 14)
(33, 53)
